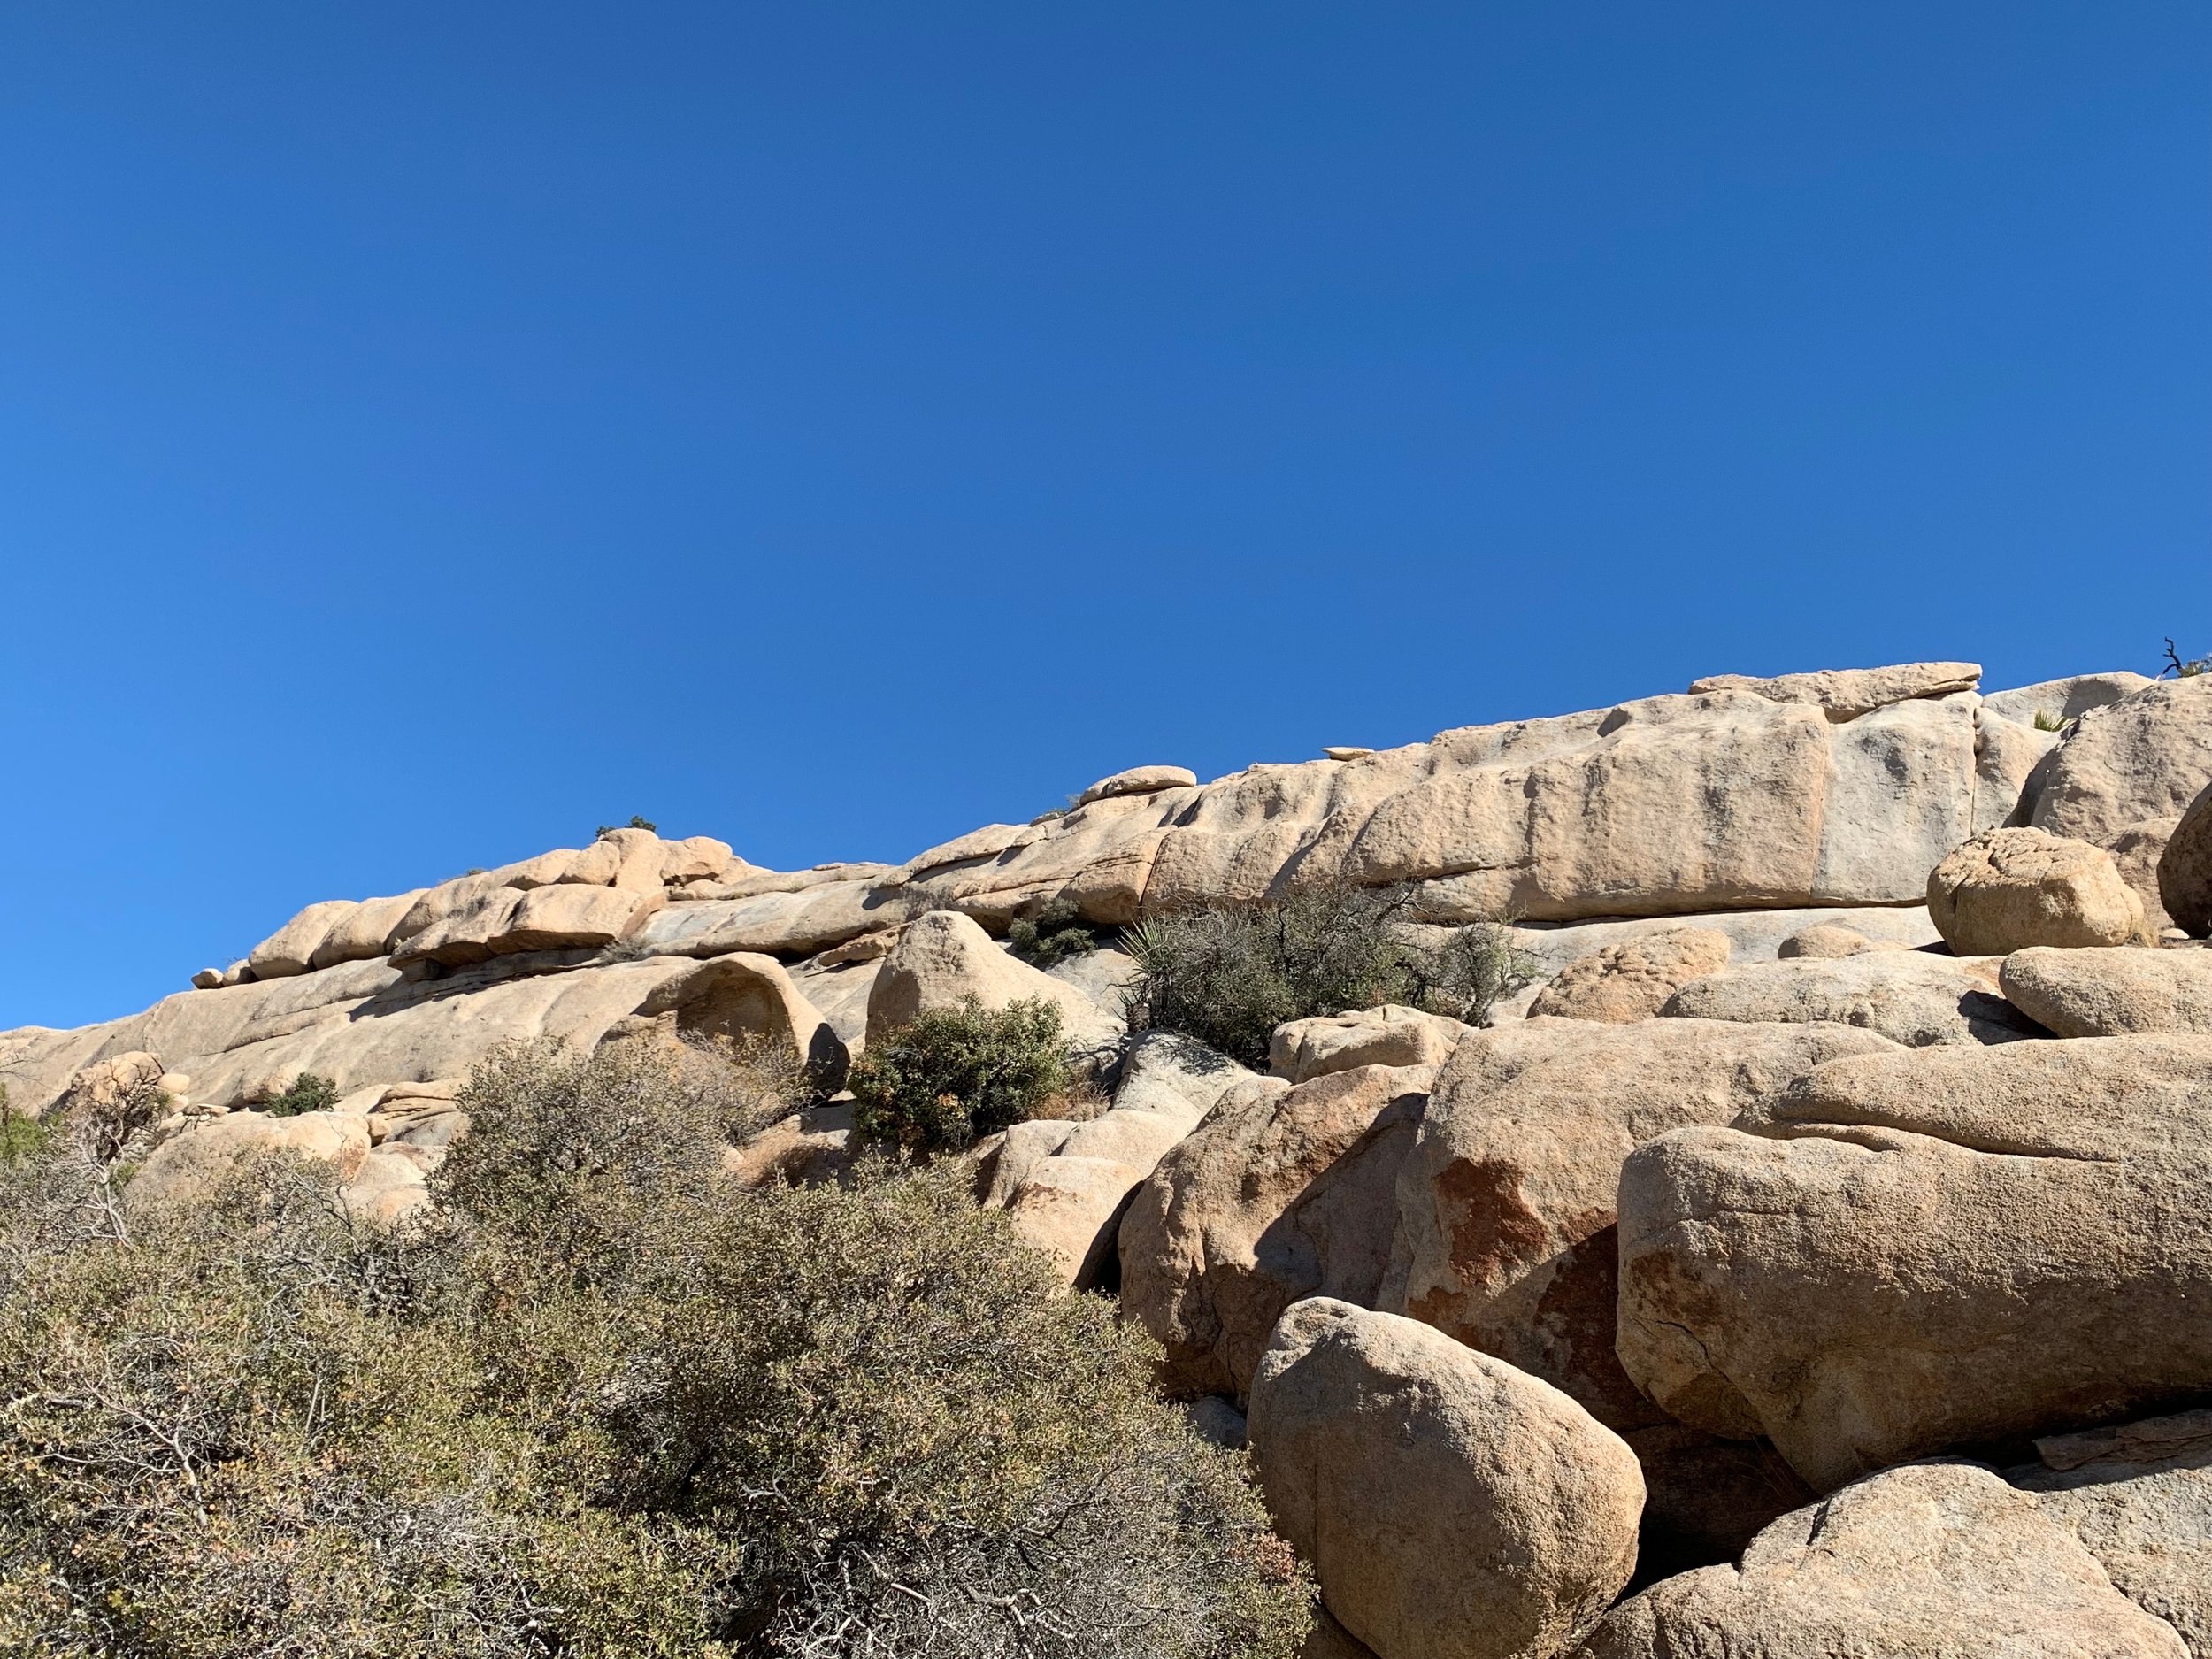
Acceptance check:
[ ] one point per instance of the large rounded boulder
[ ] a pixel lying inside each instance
(1453, 1508)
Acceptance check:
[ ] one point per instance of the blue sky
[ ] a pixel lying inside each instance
(427, 433)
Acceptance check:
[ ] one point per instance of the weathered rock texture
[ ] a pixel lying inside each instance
(2144, 756)
(1930, 1562)
(1632, 980)
(1909, 997)
(2008, 889)
(2140, 1498)
(1281, 1195)
(1389, 1035)
(1505, 1204)
(1916, 1253)
(2111, 993)
(1452, 1507)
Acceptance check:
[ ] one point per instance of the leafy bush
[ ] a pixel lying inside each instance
(1229, 975)
(1054, 934)
(817, 1423)
(309, 1092)
(955, 1074)
(636, 822)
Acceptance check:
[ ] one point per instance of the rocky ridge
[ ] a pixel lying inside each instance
(1860, 1115)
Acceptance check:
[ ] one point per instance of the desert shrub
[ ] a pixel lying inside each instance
(1229, 974)
(955, 1074)
(309, 1092)
(1056, 932)
(2046, 721)
(817, 1423)
(637, 821)
(20, 1136)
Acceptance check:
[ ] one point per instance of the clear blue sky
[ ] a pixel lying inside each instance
(429, 432)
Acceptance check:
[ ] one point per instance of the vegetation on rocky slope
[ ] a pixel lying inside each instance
(596, 1402)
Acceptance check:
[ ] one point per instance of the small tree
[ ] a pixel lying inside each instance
(953, 1074)
(309, 1092)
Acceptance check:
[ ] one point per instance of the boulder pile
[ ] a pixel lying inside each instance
(1816, 1258)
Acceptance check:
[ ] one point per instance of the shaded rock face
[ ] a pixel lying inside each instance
(1452, 1507)
(1632, 980)
(2008, 889)
(1505, 1203)
(1934, 1560)
(1915, 1252)
(2140, 1498)
(2111, 993)
(1910, 997)
(2185, 869)
(1282, 1194)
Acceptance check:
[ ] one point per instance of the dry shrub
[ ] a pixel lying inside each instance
(597, 1403)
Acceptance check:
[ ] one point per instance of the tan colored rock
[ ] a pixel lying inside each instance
(1504, 1237)
(1909, 996)
(387, 1188)
(2137, 851)
(778, 922)
(291, 948)
(2140, 1498)
(1845, 694)
(186, 1168)
(1754, 935)
(1390, 1035)
(2145, 756)
(1941, 1561)
(2185, 869)
(748, 996)
(364, 932)
(107, 1083)
(207, 979)
(1631, 981)
(2007, 889)
(1064, 1185)
(943, 957)
(2111, 993)
(2057, 700)
(1139, 780)
(807, 1148)
(2009, 760)
(1828, 941)
(1452, 1507)
(567, 917)
(1922, 1251)
(1281, 1194)
(699, 858)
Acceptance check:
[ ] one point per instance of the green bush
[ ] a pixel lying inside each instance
(597, 1403)
(2184, 668)
(20, 1137)
(1056, 932)
(309, 1092)
(1229, 975)
(956, 1074)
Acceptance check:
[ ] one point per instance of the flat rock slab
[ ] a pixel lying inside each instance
(2111, 993)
